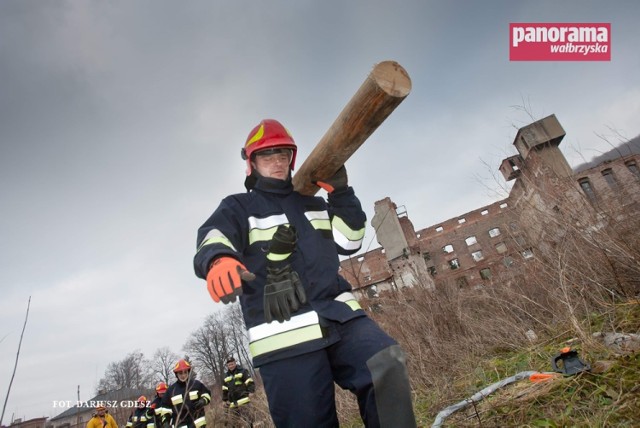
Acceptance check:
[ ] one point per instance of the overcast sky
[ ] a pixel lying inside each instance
(121, 125)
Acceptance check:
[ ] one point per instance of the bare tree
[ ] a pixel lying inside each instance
(162, 364)
(222, 334)
(134, 371)
(238, 337)
(207, 346)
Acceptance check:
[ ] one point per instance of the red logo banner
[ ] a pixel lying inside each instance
(560, 42)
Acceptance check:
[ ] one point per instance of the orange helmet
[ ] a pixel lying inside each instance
(161, 388)
(141, 400)
(181, 365)
(268, 134)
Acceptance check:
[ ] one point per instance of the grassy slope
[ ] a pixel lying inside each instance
(611, 398)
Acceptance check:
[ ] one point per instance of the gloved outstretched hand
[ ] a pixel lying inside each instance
(339, 181)
(224, 280)
(283, 294)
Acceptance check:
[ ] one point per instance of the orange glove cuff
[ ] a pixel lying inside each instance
(326, 186)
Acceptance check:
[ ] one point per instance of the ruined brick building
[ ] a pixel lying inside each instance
(490, 244)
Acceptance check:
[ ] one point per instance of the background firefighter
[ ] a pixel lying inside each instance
(102, 419)
(142, 416)
(156, 405)
(184, 402)
(237, 387)
(278, 250)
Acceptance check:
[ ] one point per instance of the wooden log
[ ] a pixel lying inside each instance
(383, 90)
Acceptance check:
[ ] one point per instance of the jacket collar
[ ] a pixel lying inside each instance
(273, 185)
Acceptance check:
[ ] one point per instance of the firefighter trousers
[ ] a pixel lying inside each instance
(365, 360)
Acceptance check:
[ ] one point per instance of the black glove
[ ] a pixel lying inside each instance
(283, 294)
(339, 181)
(199, 404)
(283, 242)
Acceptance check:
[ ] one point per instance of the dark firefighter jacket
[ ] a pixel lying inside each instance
(178, 404)
(156, 411)
(140, 418)
(242, 227)
(236, 386)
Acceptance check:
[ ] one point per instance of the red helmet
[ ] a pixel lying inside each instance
(161, 388)
(181, 365)
(268, 134)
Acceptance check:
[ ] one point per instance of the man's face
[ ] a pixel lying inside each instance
(101, 412)
(183, 375)
(273, 165)
(231, 365)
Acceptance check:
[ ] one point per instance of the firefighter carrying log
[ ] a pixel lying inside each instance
(277, 250)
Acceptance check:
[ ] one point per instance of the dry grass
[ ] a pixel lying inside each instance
(584, 278)
(461, 340)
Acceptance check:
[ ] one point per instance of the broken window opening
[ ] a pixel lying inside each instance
(494, 232)
(477, 256)
(527, 254)
(485, 273)
(454, 264)
(501, 248)
(471, 240)
(585, 184)
(610, 178)
(633, 167)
